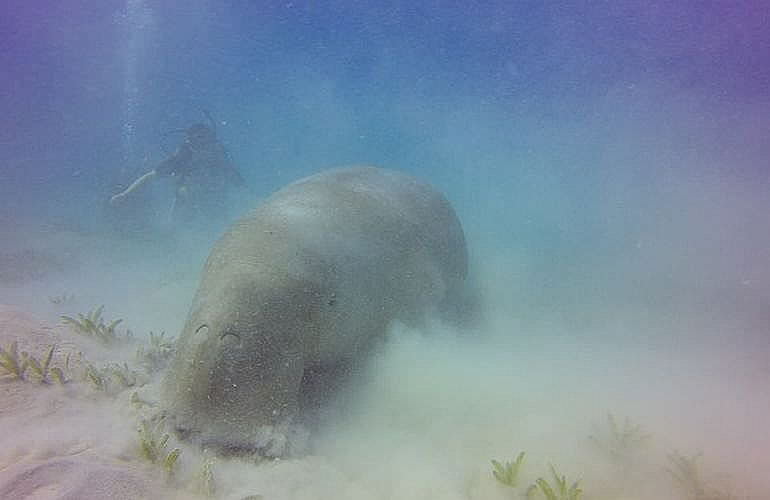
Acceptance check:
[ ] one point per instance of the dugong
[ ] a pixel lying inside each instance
(301, 287)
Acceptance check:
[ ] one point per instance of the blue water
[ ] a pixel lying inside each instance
(609, 160)
(458, 93)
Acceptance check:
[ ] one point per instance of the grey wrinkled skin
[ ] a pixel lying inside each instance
(301, 286)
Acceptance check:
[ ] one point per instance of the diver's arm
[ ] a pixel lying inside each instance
(166, 168)
(134, 186)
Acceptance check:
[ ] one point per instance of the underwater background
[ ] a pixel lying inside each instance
(609, 163)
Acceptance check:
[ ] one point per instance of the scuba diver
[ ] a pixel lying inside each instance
(203, 175)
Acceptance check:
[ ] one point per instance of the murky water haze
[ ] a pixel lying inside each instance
(616, 215)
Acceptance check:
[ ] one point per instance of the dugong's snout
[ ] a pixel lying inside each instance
(228, 382)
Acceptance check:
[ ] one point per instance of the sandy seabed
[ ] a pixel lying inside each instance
(428, 414)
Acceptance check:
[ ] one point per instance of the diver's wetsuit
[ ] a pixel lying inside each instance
(202, 174)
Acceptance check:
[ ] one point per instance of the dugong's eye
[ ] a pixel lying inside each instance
(203, 329)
